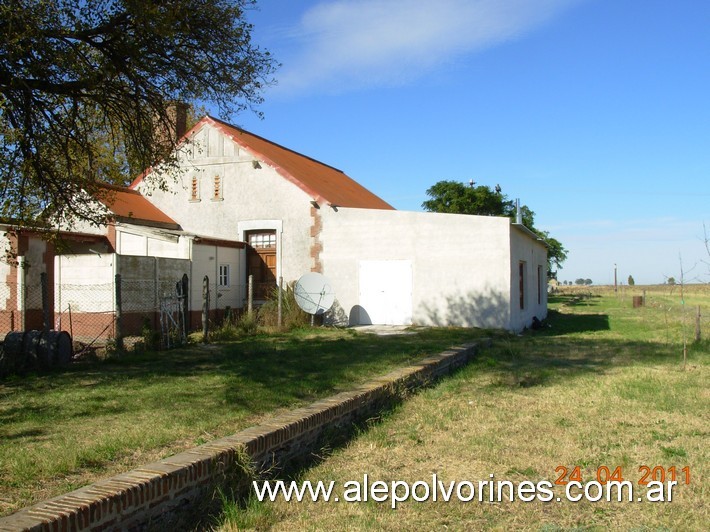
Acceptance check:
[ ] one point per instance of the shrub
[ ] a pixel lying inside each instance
(151, 337)
(231, 329)
(291, 314)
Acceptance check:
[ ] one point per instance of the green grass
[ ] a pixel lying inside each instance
(604, 385)
(62, 430)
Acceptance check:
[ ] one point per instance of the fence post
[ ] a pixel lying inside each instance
(45, 301)
(185, 302)
(21, 292)
(697, 325)
(281, 282)
(119, 314)
(250, 295)
(205, 308)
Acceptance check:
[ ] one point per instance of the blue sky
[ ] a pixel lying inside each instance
(595, 113)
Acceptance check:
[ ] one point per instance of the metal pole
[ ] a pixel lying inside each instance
(615, 284)
(250, 295)
(185, 303)
(280, 320)
(205, 308)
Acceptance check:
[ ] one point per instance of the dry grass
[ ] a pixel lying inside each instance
(65, 429)
(605, 386)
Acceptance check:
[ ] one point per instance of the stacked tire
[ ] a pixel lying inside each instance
(34, 351)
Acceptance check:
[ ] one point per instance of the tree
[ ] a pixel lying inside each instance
(579, 281)
(588, 282)
(631, 280)
(456, 198)
(87, 89)
(671, 280)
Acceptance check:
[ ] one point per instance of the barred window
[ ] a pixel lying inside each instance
(223, 275)
(262, 240)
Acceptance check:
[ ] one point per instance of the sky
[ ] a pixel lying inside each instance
(595, 113)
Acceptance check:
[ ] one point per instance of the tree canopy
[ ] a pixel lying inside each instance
(456, 198)
(87, 88)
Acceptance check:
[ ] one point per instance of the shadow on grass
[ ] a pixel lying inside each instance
(251, 376)
(577, 300)
(560, 324)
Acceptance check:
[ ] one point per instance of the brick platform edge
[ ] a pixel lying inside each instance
(153, 496)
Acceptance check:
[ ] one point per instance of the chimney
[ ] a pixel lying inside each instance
(169, 131)
(518, 212)
(178, 119)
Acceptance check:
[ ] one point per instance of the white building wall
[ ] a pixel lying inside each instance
(532, 255)
(6, 288)
(206, 260)
(251, 198)
(84, 283)
(459, 264)
(147, 242)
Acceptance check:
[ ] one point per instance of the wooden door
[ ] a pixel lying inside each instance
(261, 262)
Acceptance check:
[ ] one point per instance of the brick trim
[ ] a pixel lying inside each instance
(316, 243)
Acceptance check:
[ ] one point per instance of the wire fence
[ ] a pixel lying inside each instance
(97, 312)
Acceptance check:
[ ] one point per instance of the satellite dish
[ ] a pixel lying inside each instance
(314, 294)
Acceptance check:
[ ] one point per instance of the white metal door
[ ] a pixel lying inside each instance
(386, 291)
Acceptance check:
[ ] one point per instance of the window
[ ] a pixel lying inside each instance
(223, 275)
(217, 190)
(195, 189)
(262, 240)
(521, 275)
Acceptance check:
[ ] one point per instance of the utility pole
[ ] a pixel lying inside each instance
(615, 285)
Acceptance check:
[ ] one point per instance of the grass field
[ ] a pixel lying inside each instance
(604, 386)
(62, 430)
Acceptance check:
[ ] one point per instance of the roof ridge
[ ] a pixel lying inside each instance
(242, 130)
(118, 188)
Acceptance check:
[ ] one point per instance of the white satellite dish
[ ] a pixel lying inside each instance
(314, 294)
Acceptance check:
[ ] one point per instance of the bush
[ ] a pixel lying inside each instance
(292, 315)
(247, 324)
(151, 337)
(231, 329)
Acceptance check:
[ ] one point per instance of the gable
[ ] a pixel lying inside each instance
(323, 183)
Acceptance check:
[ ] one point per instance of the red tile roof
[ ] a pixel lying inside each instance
(322, 182)
(131, 206)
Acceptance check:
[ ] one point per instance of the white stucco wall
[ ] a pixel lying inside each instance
(6, 289)
(533, 255)
(459, 264)
(84, 282)
(206, 260)
(144, 241)
(252, 198)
